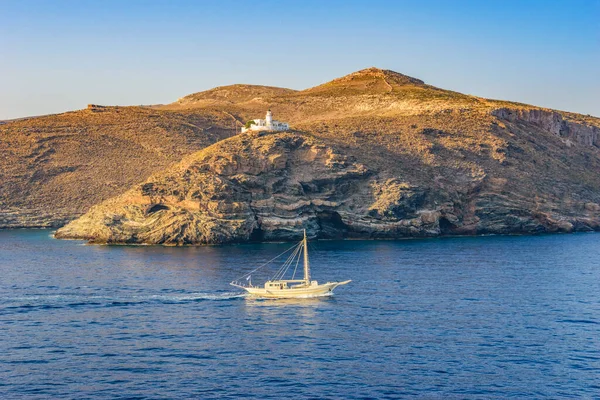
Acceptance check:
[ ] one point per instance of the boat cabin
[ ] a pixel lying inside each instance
(277, 285)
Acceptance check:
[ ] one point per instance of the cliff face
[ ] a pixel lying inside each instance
(553, 122)
(254, 186)
(272, 186)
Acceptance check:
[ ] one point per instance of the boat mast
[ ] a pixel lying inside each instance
(306, 266)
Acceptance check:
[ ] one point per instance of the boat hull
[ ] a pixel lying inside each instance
(325, 289)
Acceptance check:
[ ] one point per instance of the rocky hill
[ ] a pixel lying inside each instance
(372, 154)
(375, 154)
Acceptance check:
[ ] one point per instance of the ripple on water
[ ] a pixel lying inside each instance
(493, 317)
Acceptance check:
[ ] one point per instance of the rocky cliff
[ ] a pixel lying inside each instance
(572, 128)
(271, 186)
(255, 186)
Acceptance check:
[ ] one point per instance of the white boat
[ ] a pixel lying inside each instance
(279, 288)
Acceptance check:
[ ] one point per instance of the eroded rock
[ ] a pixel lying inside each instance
(287, 182)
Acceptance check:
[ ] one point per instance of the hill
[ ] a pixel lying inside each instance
(54, 168)
(372, 154)
(375, 154)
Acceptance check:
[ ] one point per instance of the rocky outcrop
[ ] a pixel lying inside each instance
(250, 187)
(553, 122)
(272, 186)
(25, 218)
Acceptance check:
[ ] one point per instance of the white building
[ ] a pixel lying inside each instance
(267, 124)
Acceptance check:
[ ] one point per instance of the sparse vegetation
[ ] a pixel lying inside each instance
(54, 168)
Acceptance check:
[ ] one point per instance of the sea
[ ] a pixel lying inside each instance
(451, 318)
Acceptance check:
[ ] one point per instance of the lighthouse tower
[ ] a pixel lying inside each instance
(269, 120)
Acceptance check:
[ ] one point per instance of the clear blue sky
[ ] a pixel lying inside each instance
(60, 55)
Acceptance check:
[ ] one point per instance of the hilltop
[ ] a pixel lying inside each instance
(233, 94)
(372, 154)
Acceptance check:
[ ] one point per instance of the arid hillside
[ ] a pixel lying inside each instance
(433, 162)
(53, 168)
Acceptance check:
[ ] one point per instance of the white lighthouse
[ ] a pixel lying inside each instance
(269, 119)
(267, 124)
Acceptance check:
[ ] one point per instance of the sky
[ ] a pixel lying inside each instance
(61, 55)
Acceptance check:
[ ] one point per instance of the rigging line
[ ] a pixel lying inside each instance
(279, 274)
(297, 259)
(268, 262)
(295, 268)
(276, 274)
(290, 260)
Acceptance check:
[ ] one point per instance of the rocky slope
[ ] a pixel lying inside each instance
(271, 186)
(372, 154)
(54, 168)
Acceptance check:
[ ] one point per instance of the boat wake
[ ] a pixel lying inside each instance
(37, 302)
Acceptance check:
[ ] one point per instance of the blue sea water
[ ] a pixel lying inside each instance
(485, 317)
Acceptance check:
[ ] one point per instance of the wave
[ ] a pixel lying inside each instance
(198, 296)
(578, 321)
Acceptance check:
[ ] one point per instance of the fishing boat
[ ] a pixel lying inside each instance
(279, 288)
